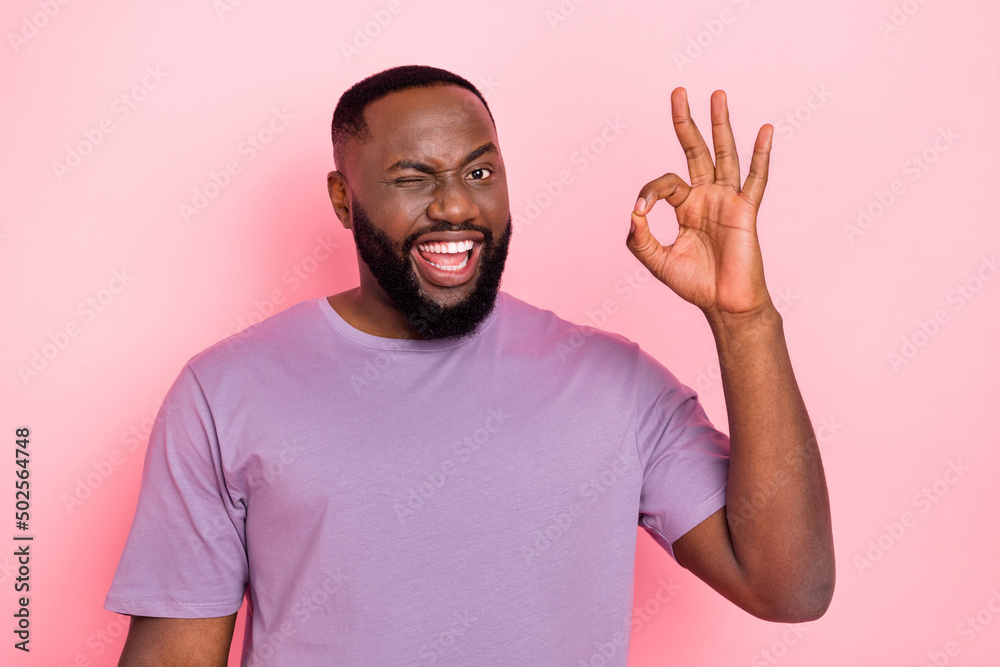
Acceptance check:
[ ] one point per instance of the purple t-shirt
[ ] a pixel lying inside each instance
(388, 501)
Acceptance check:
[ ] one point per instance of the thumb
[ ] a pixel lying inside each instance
(644, 245)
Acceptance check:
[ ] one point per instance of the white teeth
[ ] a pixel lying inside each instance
(451, 268)
(451, 247)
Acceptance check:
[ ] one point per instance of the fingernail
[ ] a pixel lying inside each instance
(631, 228)
(640, 204)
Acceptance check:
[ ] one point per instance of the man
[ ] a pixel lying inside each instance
(426, 470)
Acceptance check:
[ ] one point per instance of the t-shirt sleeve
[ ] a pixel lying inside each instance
(185, 555)
(685, 458)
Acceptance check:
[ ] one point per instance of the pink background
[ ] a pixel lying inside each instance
(854, 103)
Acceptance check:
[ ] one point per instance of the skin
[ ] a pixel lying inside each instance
(770, 550)
(178, 642)
(439, 126)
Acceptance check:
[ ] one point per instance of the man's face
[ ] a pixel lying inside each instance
(429, 208)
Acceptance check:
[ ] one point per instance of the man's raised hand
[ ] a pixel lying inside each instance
(715, 261)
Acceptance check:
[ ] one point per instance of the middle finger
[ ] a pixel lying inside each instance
(699, 159)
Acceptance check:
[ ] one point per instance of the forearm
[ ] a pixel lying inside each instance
(778, 509)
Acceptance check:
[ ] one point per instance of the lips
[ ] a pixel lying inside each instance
(449, 256)
(447, 259)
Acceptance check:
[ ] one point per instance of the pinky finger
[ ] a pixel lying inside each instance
(753, 187)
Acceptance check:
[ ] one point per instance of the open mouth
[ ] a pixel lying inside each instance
(445, 262)
(450, 256)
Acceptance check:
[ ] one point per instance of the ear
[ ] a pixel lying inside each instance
(336, 185)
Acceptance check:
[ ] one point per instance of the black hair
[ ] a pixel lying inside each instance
(349, 115)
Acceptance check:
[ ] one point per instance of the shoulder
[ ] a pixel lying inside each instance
(544, 332)
(285, 332)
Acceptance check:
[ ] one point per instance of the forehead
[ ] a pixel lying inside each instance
(435, 124)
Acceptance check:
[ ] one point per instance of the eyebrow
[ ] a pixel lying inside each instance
(488, 147)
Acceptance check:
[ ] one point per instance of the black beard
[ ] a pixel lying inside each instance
(394, 272)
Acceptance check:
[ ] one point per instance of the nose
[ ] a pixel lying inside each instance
(453, 202)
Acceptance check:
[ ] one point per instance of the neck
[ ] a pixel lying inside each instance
(372, 314)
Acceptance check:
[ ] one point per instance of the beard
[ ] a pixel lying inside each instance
(392, 268)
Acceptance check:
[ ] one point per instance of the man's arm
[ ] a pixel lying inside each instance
(770, 550)
(178, 642)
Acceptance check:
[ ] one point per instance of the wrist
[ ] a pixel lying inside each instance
(745, 333)
(764, 315)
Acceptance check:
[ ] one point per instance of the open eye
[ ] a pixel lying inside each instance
(483, 171)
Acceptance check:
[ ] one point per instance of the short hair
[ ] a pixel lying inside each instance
(349, 115)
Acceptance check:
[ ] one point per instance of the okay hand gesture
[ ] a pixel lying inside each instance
(715, 261)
